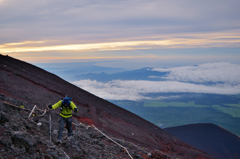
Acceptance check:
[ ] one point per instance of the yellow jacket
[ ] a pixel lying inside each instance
(66, 111)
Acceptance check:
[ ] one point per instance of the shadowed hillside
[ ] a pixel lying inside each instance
(34, 86)
(214, 140)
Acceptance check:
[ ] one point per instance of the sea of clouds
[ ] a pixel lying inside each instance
(214, 78)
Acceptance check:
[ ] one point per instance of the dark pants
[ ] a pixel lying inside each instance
(62, 122)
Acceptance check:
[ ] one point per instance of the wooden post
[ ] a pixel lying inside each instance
(32, 110)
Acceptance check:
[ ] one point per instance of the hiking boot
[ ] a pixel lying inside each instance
(59, 141)
(69, 137)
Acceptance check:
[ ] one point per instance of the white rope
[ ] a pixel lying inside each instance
(40, 109)
(114, 142)
(131, 144)
(35, 107)
(43, 112)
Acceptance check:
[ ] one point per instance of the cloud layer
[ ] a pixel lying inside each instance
(210, 72)
(224, 78)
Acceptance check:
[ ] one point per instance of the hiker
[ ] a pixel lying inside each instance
(65, 116)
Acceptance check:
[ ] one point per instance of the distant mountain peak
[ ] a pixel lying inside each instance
(148, 68)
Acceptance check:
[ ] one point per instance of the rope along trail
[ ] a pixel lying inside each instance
(111, 140)
(35, 107)
(44, 112)
(114, 142)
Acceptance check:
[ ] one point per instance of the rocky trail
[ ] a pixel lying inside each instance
(29, 137)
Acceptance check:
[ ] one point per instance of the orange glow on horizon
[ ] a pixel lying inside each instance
(128, 45)
(202, 40)
(57, 50)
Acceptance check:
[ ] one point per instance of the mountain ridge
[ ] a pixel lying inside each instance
(211, 138)
(139, 74)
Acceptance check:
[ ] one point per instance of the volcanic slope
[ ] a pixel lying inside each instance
(34, 86)
(213, 139)
(29, 138)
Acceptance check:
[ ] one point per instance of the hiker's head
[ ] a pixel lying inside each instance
(66, 102)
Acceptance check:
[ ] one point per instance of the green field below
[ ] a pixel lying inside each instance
(169, 114)
(231, 109)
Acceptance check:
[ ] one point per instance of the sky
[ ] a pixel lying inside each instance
(127, 33)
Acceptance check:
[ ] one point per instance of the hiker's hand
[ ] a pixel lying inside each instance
(75, 110)
(50, 106)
